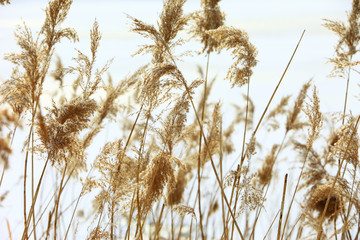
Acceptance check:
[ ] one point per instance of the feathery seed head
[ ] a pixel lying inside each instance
(243, 51)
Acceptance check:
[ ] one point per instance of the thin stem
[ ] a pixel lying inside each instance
(272, 223)
(346, 94)
(276, 157)
(222, 181)
(243, 147)
(2, 175)
(299, 231)
(24, 236)
(277, 86)
(132, 207)
(76, 205)
(295, 191)
(200, 143)
(32, 180)
(246, 122)
(282, 207)
(57, 202)
(158, 224)
(112, 220)
(140, 211)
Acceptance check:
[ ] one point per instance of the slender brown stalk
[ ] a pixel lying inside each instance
(277, 86)
(140, 209)
(24, 236)
(8, 229)
(200, 143)
(222, 182)
(266, 108)
(25, 175)
(246, 123)
(272, 223)
(132, 209)
(243, 149)
(75, 208)
(32, 182)
(2, 175)
(158, 224)
(282, 207)
(57, 201)
(346, 94)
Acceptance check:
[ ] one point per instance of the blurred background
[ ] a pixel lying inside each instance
(274, 28)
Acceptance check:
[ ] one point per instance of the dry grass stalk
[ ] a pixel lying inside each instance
(277, 86)
(282, 207)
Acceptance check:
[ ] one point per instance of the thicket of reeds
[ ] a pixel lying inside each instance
(166, 176)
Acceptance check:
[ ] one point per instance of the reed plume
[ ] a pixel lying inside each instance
(208, 19)
(243, 51)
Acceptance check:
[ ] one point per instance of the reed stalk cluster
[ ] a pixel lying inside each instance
(166, 176)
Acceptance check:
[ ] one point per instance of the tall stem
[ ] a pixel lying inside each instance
(346, 94)
(57, 202)
(200, 145)
(24, 236)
